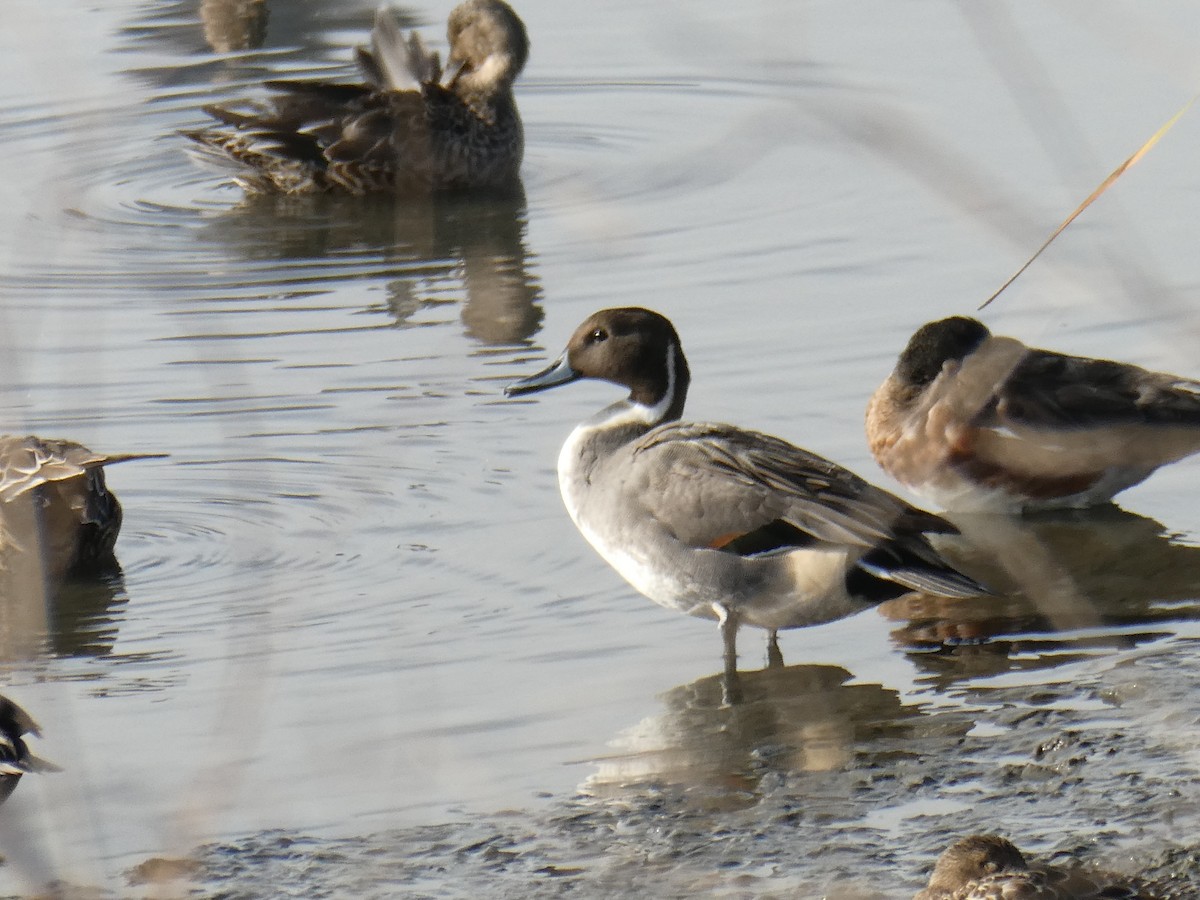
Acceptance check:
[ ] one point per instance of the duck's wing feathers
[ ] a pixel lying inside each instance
(712, 482)
(1045, 883)
(1051, 390)
(314, 135)
(15, 758)
(14, 721)
(29, 462)
(718, 487)
(1065, 417)
(394, 63)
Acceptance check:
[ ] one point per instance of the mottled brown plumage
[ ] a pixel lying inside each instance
(974, 422)
(411, 128)
(988, 867)
(53, 499)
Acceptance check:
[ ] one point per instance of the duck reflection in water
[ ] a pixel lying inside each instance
(1113, 578)
(425, 241)
(234, 24)
(58, 530)
(428, 249)
(791, 718)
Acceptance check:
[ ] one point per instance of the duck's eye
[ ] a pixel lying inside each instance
(598, 335)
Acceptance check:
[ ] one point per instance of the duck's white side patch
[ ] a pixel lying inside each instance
(675, 590)
(568, 469)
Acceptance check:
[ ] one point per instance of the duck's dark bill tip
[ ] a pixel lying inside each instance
(559, 372)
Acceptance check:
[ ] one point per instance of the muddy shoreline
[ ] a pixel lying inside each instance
(774, 801)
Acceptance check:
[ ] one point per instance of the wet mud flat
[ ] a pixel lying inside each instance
(769, 799)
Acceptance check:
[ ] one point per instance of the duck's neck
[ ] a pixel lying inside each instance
(487, 102)
(658, 394)
(488, 91)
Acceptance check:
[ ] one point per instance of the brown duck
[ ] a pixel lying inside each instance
(411, 128)
(988, 867)
(73, 518)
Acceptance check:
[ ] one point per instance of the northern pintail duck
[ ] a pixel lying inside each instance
(719, 522)
(15, 758)
(977, 422)
(77, 517)
(411, 128)
(988, 867)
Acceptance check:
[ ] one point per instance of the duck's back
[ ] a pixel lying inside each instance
(317, 136)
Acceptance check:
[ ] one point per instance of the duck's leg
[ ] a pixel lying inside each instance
(727, 620)
(774, 654)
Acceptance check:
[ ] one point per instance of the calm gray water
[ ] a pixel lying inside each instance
(352, 604)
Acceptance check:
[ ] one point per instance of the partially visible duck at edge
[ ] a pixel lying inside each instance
(411, 128)
(989, 867)
(719, 522)
(76, 518)
(975, 422)
(15, 758)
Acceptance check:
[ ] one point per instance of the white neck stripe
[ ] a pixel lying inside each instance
(652, 415)
(655, 413)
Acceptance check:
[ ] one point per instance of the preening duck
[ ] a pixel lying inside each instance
(411, 128)
(976, 422)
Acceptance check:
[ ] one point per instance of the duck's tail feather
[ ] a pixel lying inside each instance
(950, 584)
(927, 576)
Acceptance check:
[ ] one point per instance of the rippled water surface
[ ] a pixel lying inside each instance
(354, 624)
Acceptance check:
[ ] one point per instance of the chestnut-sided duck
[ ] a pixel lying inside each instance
(975, 422)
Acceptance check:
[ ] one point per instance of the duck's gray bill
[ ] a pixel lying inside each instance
(559, 372)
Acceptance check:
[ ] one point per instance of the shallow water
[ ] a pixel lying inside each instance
(352, 607)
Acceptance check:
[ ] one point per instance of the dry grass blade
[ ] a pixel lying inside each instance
(1104, 186)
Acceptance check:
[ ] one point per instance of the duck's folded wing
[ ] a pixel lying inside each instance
(29, 462)
(338, 133)
(1063, 419)
(1053, 391)
(297, 106)
(714, 485)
